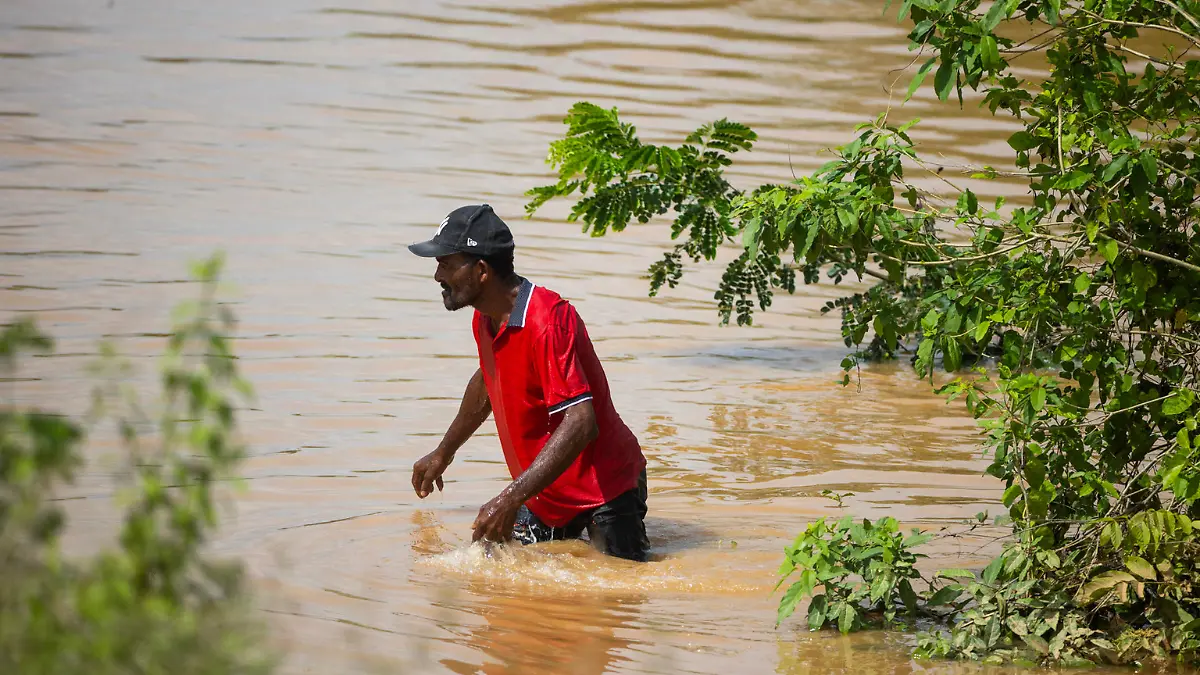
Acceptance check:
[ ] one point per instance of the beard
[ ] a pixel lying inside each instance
(456, 300)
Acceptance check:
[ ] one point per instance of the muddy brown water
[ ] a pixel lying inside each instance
(312, 140)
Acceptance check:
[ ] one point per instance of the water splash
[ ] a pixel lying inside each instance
(573, 566)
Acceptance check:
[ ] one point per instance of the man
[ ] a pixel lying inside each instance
(575, 465)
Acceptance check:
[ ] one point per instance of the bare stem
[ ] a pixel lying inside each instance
(1157, 256)
(1152, 26)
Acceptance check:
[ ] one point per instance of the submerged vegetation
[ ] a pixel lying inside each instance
(1071, 320)
(155, 603)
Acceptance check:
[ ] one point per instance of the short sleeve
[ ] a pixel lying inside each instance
(564, 383)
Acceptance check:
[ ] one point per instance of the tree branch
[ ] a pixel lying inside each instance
(1151, 59)
(1136, 24)
(1168, 336)
(1157, 256)
(951, 261)
(877, 275)
(1182, 13)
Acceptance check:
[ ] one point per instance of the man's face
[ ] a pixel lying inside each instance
(461, 278)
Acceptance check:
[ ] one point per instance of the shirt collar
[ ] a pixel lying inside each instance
(521, 306)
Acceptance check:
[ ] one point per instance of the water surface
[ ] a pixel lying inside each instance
(312, 140)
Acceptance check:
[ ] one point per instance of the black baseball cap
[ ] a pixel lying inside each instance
(474, 229)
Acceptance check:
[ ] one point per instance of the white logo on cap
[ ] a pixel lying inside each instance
(471, 242)
(442, 226)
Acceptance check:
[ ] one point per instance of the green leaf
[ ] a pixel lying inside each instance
(787, 604)
(846, 618)
(814, 226)
(994, 630)
(919, 78)
(1082, 283)
(972, 203)
(957, 573)
(1141, 567)
(908, 596)
(945, 78)
(989, 54)
(997, 13)
(945, 595)
(916, 539)
(868, 553)
(1114, 167)
(849, 220)
(750, 237)
(953, 358)
(817, 610)
(929, 322)
(981, 330)
(1180, 400)
(1018, 624)
(1037, 643)
(1053, 8)
(992, 572)
(1023, 140)
(924, 357)
(1011, 494)
(1108, 249)
(1112, 535)
(1100, 584)
(1144, 277)
(1037, 399)
(1093, 228)
(1149, 166)
(1073, 179)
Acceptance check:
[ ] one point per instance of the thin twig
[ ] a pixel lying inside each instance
(1169, 336)
(921, 163)
(1182, 13)
(1135, 24)
(1151, 59)
(1157, 256)
(970, 258)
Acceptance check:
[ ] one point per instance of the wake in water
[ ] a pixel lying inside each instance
(574, 566)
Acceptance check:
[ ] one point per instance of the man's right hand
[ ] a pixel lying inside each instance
(427, 472)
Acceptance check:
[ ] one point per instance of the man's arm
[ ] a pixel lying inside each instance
(472, 412)
(577, 429)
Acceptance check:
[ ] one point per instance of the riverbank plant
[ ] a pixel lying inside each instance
(154, 602)
(1069, 318)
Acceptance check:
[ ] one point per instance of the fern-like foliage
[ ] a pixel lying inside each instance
(618, 180)
(835, 220)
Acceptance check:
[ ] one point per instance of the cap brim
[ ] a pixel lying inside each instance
(430, 249)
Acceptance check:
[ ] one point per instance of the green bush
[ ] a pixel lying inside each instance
(1077, 313)
(862, 568)
(153, 603)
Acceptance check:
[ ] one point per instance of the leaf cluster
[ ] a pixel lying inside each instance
(1072, 319)
(154, 603)
(864, 569)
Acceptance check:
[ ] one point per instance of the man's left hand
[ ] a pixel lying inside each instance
(495, 520)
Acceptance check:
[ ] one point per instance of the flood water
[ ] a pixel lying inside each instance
(312, 140)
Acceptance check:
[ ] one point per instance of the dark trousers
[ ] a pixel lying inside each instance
(617, 527)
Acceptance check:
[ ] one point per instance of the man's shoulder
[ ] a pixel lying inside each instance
(548, 308)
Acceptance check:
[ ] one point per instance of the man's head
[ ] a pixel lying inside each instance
(474, 250)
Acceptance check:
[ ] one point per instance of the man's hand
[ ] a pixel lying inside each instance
(428, 471)
(473, 410)
(495, 520)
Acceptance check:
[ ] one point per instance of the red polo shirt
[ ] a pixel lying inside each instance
(539, 364)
